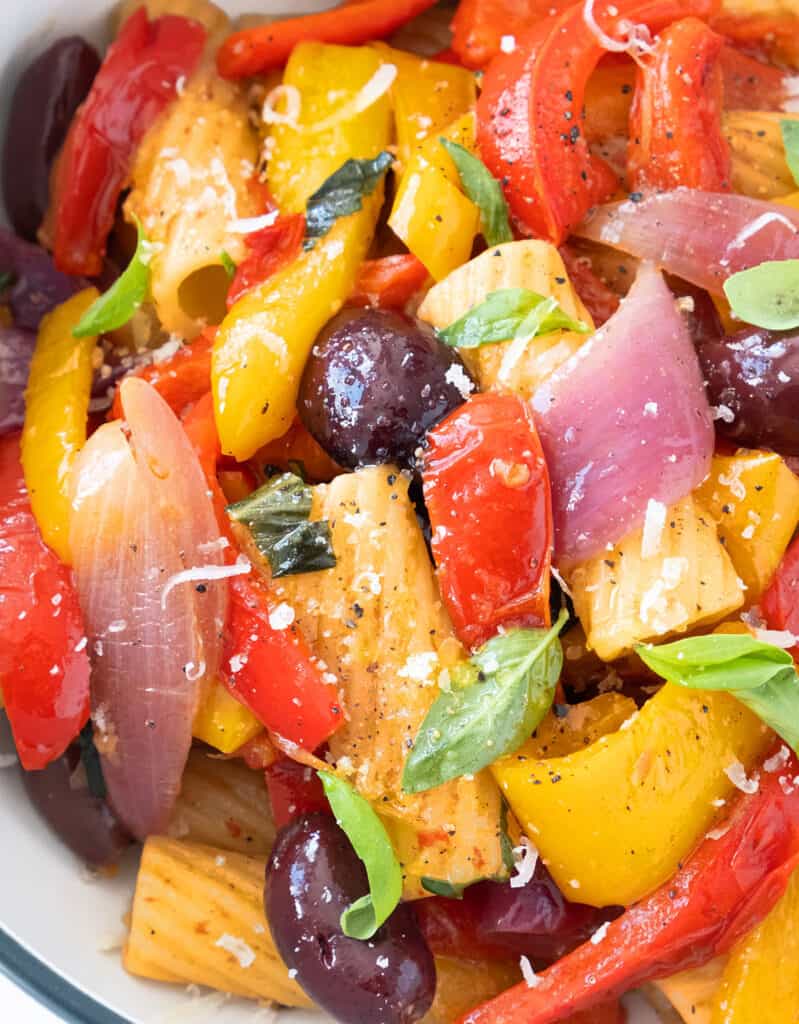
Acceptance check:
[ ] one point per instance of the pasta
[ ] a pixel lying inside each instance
(198, 919)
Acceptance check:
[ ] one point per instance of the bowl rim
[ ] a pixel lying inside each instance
(50, 988)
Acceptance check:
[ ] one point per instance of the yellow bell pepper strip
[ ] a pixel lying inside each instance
(574, 727)
(660, 774)
(56, 407)
(221, 721)
(763, 969)
(430, 214)
(754, 498)
(427, 96)
(263, 343)
(692, 992)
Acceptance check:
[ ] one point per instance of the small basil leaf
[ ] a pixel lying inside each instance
(467, 729)
(90, 757)
(440, 887)
(116, 306)
(342, 194)
(227, 262)
(370, 841)
(766, 295)
(759, 675)
(485, 192)
(509, 313)
(790, 139)
(277, 515)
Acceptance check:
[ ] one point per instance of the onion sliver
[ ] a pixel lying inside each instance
(624, 422)
(702, 237)
(141, 515)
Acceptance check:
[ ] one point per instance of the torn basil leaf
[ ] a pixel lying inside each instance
(227, 262)
(342, 194)
(116, 306)
(790, 140)
(495, 703)
(509, 313)
(480, 185)
(766, 295)
(278, 516)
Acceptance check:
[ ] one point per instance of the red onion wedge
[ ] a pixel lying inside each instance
(16, 352)
(148, 558)
(702, 237)
(624, 421)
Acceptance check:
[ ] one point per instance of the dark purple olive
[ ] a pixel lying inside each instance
(375, 383)
(753, 381)
(700, 313)
(46, 97)
(60, 793)
(35, 285)
(312, 876)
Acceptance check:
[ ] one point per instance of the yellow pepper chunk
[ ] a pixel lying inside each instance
(763, 969)
(427, 95)
(223, 722)
(430, 214)
(56, 407)
(263, 343)
(639, 799)
(692, 992)
(754, 498)
(582, 725)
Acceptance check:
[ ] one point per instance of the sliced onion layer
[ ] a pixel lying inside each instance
(141, 516)
(624, 422)
(702, 237)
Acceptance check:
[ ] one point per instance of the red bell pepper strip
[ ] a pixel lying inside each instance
(44, 664)
(780, 603)
(480, 25)
(267, 47)
(294, 789)
(389, 282)
(529, 114)
(137, 80)
(600, 301)
(675, 121)
(751, 85)
(180, 380)
(298, 449)
(486, 488)
(269, 249)
(269, 670)
(725, 888)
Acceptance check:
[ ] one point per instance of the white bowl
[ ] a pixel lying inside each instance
(60, 927)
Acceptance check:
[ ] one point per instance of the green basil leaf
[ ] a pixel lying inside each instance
(485, 192)
(761, 676)
(227, 262)
(467, 729)
(370, 841)
(342, 194)
(277, 515)
(509, 313)
(90, 758)
(766, 295)
(116, 306)
(790, 139)
(440, 887)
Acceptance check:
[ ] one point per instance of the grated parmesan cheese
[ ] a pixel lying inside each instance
(654, 523)
(600, 933)
(778, 760)
(241, 567)
(238, 948)
(249, 225)
(525, 858)
(736, 773)
(281, 616)
(531, 979)
(777, 637)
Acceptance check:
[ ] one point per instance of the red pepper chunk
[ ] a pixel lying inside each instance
(676, 137)
(530, 113)
(137, 80)
(727, 887)
(479, 26)
(486, 487)
(780, 603)
(294, 789)
(267, 47)
(44, 664)
(389, 282)
(270, 249)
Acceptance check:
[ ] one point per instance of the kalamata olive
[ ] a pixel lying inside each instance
(312, 876)
(375, 382)
(34, 285)
(46, 97)
(753, 381)
(60, 793)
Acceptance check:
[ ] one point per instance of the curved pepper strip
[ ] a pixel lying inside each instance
(137, 80)
(486, 488)
(56, 412)
(268, 250)
(389, 282)
(726, 887)
(271, 671)
(780, 603)
(529, 115)
(44, 664)
(479, 26)
(267, 47)
(676, 138)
